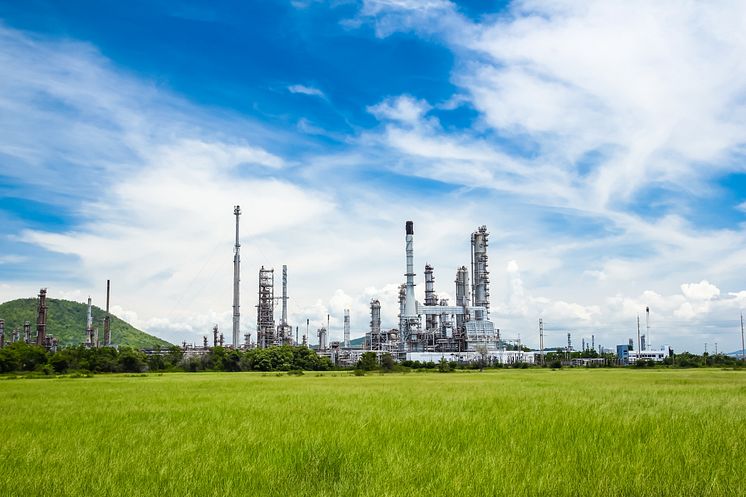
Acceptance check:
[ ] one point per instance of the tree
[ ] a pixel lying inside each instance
(387, 362)
(368, 361)
(482, 351)
(131, 360)
(444, 366)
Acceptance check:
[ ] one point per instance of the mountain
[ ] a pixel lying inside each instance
(66, 320)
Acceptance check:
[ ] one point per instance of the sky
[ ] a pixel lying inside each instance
(603, 144)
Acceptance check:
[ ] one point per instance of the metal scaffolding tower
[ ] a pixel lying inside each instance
(265, 318)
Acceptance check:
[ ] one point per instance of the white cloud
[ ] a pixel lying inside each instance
(403, 108)
(704, 290)
(563, 80)
(306, 90)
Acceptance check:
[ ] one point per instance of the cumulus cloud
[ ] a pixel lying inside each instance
(704, 290)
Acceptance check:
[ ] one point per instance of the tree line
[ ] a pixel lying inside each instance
(23, 357)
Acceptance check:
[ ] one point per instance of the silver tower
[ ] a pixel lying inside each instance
(479, 274)
(347, 329)
(236, 280)
(284, 330)
(410, 307)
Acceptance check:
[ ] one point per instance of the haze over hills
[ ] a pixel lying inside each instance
(66, 320)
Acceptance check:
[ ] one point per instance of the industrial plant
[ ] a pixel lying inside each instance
(427, 331)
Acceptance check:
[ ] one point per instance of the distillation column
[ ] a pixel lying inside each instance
(375, 324)
(479, 273)
(236, 281)
(347, 329)
(462, 295)
(431, 320)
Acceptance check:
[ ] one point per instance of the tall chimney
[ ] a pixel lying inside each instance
(410, 306)
(347, 329)
(107, 318)
(236, 280)
(41, 319)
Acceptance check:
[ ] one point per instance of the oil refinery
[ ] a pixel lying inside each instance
(427, 331)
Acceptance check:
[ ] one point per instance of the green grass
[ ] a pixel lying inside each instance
(535, 432)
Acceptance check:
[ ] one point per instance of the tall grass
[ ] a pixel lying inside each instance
(536, 432)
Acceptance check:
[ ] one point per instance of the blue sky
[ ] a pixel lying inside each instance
(603, 145)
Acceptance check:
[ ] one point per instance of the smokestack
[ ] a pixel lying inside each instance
(647, 328)
(346, 329)
(89, 322)
(41, 319)
(107, 318)
(2, 333)
(236, 280)
(410, 307)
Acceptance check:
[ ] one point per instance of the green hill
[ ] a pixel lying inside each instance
(66, 320)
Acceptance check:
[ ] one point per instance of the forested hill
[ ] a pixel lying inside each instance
(66, 320)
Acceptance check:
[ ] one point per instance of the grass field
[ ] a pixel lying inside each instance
(524, 432)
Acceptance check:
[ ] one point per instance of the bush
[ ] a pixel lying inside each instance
(556, 364)
(444, 366)
(359, 372)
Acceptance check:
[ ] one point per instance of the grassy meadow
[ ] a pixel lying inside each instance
(504, 432)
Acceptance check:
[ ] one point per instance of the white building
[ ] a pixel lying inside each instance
(649, 355)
